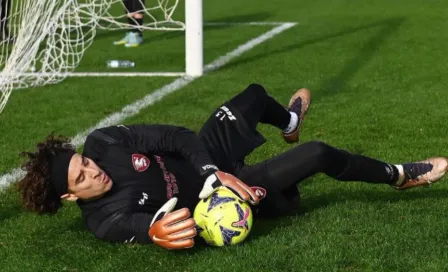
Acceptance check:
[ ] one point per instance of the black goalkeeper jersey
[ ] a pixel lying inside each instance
(148, 164)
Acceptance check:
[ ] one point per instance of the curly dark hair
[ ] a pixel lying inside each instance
(36, 191)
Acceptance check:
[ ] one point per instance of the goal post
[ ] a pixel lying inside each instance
(194, 38)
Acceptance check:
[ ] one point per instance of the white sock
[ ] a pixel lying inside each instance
(293, 122)
(400, 174)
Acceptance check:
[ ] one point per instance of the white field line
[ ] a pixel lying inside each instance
(226, 24)
(137, 106)
(156, 74)
(110, 74)
(127, 74)
(247, 23)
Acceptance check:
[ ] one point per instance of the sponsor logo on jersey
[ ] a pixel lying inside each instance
(140, 162)
(259, 191)
(170, 178)
(144, 198)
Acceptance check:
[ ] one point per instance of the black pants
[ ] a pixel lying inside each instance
(230, 135)
(134, 5)
(5, 6)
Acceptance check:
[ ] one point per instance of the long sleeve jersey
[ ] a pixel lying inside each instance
(148, 164)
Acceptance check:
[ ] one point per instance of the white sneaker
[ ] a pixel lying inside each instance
(134, 39)
(124, 40)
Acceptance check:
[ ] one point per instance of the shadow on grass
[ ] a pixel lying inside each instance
(387, 29)
(366, 52)
(324, 200)
(265, 226)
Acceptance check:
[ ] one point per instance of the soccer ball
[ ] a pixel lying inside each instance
(223, 219)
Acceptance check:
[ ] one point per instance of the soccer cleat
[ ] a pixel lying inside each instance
(124, 40)
(422, 173)
(134, 39)
(299, 103)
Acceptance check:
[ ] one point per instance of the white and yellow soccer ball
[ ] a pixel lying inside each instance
(223, 219)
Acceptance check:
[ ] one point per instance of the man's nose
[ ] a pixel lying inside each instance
(93, 172)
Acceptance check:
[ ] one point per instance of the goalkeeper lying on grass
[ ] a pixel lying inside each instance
(127, 173)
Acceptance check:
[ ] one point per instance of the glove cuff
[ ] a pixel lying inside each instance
(166, 208)
(210, 184)
(208, 169)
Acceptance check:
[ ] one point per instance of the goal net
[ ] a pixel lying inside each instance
(42, 41)
(158, 15)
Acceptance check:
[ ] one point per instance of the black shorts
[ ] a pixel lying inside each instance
(229, 139)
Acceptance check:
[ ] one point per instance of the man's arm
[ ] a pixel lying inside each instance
(126, 228)
(159, 139)
(171, 230)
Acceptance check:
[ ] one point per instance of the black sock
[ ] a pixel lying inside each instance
(139, 24)
(361, 168)
(139, 21)
(136, 23)
(275, 114)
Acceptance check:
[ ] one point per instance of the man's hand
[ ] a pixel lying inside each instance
(219, 178)
(172, 230)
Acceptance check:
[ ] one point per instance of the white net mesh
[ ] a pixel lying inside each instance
(44, 40)
(158, 14)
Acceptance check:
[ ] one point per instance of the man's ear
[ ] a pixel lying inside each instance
(69, 197)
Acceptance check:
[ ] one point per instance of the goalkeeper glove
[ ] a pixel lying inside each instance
(219, 178)
(172, 230)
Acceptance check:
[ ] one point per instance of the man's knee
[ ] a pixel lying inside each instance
(330, 160)
(251, 101)
(256, 90)
(320, 154)
(318, 148)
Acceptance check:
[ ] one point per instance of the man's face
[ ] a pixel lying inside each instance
(85, 179)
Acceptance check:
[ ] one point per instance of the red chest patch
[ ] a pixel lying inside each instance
(140, 162)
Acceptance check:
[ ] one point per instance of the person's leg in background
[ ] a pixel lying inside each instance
(135, 12)
(5, 6)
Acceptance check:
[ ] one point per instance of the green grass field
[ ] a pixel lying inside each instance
(377, 71)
